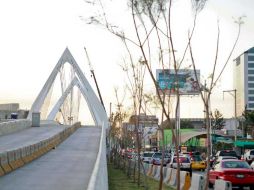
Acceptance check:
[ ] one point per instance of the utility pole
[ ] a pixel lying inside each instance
(234, 95)
(92, 71)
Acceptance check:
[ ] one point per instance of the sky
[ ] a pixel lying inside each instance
(34, 35)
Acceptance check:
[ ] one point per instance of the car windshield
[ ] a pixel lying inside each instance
(182, 160)
(148, 154)
(235, 164)
(157, 155)
(228, 153)
(197, 158)
(228, 157)
(252, 152)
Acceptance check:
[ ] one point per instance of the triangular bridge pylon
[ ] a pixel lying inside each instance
(79, 80)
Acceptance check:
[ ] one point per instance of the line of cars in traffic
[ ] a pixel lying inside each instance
(188, 161)
(226, 165)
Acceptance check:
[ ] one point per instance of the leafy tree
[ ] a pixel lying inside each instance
(218, 121)
(186, 124)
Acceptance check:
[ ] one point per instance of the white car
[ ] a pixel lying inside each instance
(147, 157)
(184, 161)
(249, 156)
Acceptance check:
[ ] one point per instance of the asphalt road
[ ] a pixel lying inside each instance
(68, 167)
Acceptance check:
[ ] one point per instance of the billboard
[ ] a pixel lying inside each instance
(187, 82)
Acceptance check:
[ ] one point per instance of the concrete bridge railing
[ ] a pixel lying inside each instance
(99, 177)
(14, 126)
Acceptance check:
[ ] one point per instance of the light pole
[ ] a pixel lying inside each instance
(234, 95)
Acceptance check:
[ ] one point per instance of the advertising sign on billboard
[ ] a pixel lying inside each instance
(187, 82)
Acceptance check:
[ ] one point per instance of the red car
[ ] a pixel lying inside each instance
(238, 172)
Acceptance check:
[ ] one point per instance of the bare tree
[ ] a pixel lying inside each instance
(207, 91)
(153, 18)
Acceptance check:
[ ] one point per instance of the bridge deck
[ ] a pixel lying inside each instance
(69, 166)
(29, 136)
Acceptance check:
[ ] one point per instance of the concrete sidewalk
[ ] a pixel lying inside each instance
(68, 167)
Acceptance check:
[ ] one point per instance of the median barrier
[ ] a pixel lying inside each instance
(157, 173)
(164, 171)
(172, 181)
(23, 154)
(184, 180)
(222, 185)
(36, 150)
(146, 167)
(32, 153)
(1, 171)
(154, 170)
(167, 176)
(4, 162)
(29, 153)
(11, 160)
(150, 170)
(197, 182)
(44, 146)
(48, 147)
(41, 148)
(19, 162)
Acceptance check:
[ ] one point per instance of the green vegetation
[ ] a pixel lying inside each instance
(119, 180)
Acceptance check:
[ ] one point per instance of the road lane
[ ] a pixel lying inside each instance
(69, 166)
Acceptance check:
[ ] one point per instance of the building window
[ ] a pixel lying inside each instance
(251, 105)
(250, 71)
(250, 78)
(251, 65)
(251, 91)
(251, 85)
(251, 98)
(250, 58)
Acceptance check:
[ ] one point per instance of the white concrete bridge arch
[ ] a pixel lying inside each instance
(96, 108)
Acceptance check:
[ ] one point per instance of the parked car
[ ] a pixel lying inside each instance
(249, 156)
(184, 161)
(197, 163)
(147, 157)
(238, 172)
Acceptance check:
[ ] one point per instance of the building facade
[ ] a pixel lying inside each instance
(243, 81)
